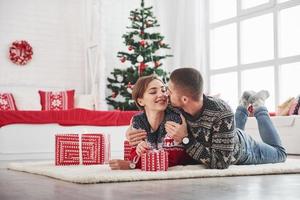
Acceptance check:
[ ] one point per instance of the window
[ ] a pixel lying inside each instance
(257, 43)
(253, 79)
(254, 45)
(217, 11)
(223, 46)
(289, 30)
(290, 81)
(252, 3)
(225, 91)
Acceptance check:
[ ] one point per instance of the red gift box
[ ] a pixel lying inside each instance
(87, 149)
(127, 150)
(155, 160)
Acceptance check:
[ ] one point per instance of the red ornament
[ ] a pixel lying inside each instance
(113, 95)
(142, 43)
(123, 59)
(20, 52)
(142, 68)
(130, 48)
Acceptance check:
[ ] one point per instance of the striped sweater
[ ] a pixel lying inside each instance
(213, 138)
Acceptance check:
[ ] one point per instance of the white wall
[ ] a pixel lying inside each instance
(54, 28)
(60, 30)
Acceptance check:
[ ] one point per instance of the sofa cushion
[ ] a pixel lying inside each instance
(7, 102)
(57, 100)
(85, 101)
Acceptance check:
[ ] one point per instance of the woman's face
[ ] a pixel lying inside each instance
(155, 97)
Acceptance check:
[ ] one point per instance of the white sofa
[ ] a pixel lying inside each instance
(288, 128)
(37, 141)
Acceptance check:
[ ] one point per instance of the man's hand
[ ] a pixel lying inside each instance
(119, 164)
(177, 131)
(135, 136)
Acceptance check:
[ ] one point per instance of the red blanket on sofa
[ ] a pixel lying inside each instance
(67, 117)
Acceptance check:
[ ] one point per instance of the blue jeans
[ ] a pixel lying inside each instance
(253, 152)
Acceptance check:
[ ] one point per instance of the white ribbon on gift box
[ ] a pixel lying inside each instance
(80, 149)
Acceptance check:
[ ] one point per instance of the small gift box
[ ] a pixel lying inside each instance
(155, 160)
(127, 150)
(86, 149)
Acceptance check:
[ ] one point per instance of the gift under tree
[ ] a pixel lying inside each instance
(143, 58)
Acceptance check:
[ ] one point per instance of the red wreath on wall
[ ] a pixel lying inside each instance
(20, 52)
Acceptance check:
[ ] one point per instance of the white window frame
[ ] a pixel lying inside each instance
(242, 14)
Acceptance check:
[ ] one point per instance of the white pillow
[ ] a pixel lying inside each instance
(85, 101)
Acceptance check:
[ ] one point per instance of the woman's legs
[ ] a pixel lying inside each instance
(241, 116)
(271, 149)
(267, 130)
(241, 113)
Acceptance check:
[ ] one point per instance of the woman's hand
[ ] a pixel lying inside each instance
(141, 148)
(135, 136)
(119, 164)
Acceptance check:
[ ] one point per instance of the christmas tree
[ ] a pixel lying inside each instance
(144, 57)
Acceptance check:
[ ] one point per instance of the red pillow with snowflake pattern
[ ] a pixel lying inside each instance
(57, 100)
(7, 102)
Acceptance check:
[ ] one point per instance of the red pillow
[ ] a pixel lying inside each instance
(7, 102)
(60, 100)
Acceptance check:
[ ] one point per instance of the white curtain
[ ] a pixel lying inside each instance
(95, 60)
(183, 24)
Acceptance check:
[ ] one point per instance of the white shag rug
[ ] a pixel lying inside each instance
(103, 174)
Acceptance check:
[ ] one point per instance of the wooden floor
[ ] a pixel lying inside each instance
(18, 185)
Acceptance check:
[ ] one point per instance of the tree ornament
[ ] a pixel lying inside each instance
(113, 95)
(123, 59)
(148, 24)
(140, 58)
(136, 38)
(148, 42)
(130, 48)
(129, 85)
(142, 43)
(161, 43)
(156, 64)
(129, 90)
(120, 78)
(142, 67)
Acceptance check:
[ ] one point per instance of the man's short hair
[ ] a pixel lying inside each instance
(189, 81)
